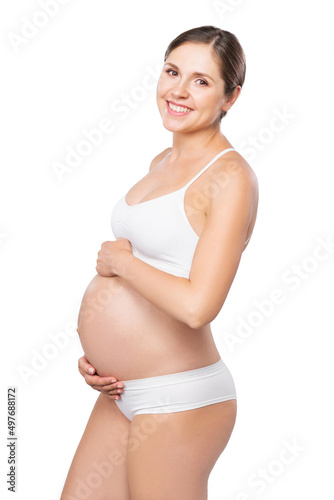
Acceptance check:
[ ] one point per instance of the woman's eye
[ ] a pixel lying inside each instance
(205, 83)
(169, 70)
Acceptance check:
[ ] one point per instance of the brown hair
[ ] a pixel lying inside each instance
(226, 47)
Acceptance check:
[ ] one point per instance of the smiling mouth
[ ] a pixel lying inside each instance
(178, 109)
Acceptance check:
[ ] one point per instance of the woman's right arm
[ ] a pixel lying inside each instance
(106, 385)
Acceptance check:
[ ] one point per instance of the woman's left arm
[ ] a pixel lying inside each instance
(195, 301)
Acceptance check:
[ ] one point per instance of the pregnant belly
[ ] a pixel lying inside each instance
(111, 325)
(124, 335)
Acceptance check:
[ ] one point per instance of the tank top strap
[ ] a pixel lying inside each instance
(207, 166)
(164, 158)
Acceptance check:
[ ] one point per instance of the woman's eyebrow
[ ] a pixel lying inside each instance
(196, 73)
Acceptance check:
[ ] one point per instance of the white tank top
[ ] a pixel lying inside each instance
(159, 230)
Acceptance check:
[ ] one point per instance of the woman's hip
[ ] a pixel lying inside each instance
(179, 391)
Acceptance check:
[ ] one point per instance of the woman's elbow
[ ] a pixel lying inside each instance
(200, 317)
(201, 310)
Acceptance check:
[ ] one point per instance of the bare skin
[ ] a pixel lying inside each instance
(137, 322)
(109, 386)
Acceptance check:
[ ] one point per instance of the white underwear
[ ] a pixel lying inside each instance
(177, 391)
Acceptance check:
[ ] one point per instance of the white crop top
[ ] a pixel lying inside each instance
(159, 230)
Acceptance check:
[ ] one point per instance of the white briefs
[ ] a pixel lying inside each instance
(177, 391)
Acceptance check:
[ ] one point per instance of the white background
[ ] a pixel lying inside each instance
(62, 81)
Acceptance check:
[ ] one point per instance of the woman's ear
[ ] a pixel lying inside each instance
(230, 100)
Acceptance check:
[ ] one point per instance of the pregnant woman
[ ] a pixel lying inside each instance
(145, 317)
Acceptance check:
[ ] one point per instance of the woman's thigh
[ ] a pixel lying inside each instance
(171, 455)
(98, 470)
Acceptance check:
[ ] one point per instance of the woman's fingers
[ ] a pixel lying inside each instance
(103, 384)
(85, 366)
(107, 385)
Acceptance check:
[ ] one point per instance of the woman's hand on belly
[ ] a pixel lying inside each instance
(106, 385)
(110, 256)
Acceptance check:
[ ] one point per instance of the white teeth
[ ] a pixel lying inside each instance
(178, 109)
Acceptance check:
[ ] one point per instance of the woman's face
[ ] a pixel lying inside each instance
(191, 79)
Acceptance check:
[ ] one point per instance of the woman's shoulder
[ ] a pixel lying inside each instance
(157, 159)
(234, 174)
(235, 165)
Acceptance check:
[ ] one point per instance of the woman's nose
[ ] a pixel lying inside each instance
(180, 90)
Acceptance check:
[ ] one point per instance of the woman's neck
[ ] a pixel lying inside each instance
(188, 145)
